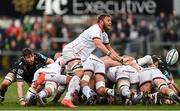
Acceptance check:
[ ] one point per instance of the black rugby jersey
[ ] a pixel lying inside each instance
(24, 71)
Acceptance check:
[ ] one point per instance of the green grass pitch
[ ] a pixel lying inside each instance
(11, 103)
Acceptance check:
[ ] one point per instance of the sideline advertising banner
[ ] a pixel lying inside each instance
(83, 7)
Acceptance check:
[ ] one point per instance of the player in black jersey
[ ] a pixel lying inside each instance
(23, 70)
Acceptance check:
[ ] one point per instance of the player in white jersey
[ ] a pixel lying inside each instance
(94, 68)
(52, 71)
(80, 49)
(153, 76)
(127, 80)
(125, 76)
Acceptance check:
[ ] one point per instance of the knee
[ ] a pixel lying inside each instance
(101, 91)
(163, 90)
(100, 88)
(163, 87)
(5, 83)
(83, 83)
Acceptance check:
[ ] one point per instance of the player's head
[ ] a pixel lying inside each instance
(156, 60)
(28, 56)
(105, 21)
(159, 62)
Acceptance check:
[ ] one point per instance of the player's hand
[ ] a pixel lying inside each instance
(22, 101)
(116, 57)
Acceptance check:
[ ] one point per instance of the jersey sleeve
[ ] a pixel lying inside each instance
(41, 57)
(95, 33)
(105, 38)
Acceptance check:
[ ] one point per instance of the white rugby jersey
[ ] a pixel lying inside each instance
(84, 45)
(53, 68)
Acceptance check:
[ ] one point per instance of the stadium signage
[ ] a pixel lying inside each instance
(97, 6)
(20, 8)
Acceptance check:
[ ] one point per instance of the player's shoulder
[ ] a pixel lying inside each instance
(20, 62)
(39, 55)
(94, 27)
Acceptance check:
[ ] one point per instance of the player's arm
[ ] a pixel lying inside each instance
(104, 49)
(20, 92)
(108, 46)
(44, 59)
(19, 79)
(49, 61)
(110, 62)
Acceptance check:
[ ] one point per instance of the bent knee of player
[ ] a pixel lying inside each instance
(83, 83)
(5, 83)
(101, 91)
(100, 87)
(85, 80)
(146, 87)
(163, 87)
(8, 80)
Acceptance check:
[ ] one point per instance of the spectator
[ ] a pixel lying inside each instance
(162, 21)
(14, 29)
(173, 22)
(45, 45)
(143, 29)
(59, 24)
(48, 26)
(170, 35)
(35, 40)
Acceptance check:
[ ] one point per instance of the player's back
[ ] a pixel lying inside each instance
(52, 68)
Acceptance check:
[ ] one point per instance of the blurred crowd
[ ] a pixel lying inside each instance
(44, 33)
(34, 32)
(128, 28)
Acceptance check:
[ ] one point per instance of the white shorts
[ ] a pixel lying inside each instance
(111, 73)
(94, 64)
(149, 74)
(144, 76)
(50, 76)
(128, 72)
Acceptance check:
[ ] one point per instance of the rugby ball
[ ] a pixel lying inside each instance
(172, 57)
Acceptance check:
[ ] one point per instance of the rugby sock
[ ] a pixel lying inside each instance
(68, 96)
(43, 94)
(31, 92)
(86, 91)
(125, 92)
(2, 92)
(73, 85)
